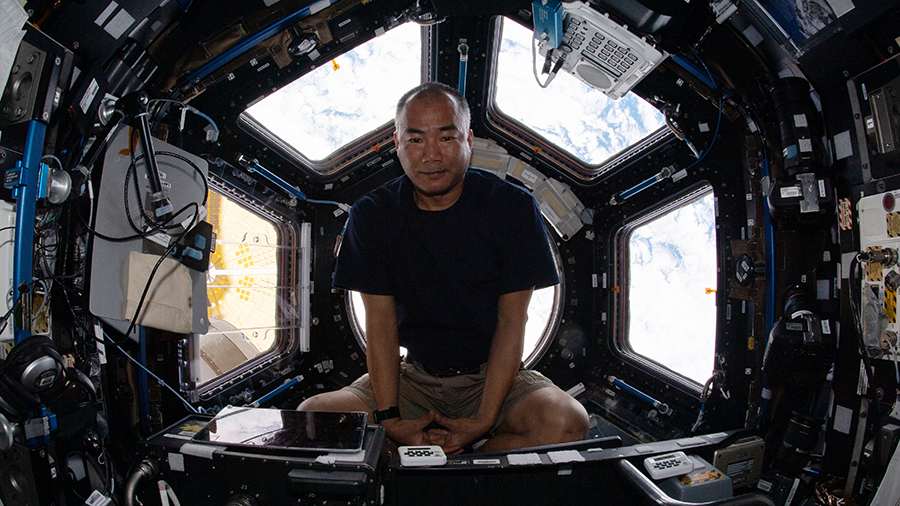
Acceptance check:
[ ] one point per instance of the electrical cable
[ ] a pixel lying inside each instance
(184, 159)
(718, 121)
(559, 64)
(87, 459)
(165, 255)
(894, 358)
(155, 228)
(192, 409)
(53, 158)
(5, 318)
(43, 300)
(186, 107)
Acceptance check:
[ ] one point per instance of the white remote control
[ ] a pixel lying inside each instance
(668, 465)
(415, 456)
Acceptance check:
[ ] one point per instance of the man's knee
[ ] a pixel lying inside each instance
(549, 416)
(333, 401)
(565, 418)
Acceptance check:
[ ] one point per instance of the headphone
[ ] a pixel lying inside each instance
(32, 367)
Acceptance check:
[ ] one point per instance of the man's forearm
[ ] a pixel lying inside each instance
(506, 352)
(382, 353)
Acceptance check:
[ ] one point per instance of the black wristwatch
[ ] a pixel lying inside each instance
(387, 414)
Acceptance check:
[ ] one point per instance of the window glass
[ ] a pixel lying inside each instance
(340, 101)
(672, 276)
(242, 284)
(570, 114)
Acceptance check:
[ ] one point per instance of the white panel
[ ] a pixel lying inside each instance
(7, 253)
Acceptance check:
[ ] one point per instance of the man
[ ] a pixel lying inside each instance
(446, 259)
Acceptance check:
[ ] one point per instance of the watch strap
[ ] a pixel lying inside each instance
(387, 414)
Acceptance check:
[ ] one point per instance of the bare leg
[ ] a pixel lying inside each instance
(546, 416)
(338, 400)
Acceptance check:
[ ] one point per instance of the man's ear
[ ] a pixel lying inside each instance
(470, 139)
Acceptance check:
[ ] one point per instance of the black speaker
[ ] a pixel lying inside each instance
(32, 367)
(28, 82)
(37, 80)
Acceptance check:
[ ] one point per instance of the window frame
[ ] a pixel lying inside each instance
(528, 139)
(621, 265)
(289, 326)
(347, 156)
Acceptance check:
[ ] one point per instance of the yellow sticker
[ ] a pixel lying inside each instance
(701, 477)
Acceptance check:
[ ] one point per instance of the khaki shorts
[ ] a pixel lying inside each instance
(453, 396)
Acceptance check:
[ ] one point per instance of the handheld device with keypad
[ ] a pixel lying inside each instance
(415, 456)
(668, 465)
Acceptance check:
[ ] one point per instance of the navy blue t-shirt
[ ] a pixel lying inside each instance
(446, 269)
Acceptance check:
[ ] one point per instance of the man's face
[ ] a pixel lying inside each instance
(434, 146)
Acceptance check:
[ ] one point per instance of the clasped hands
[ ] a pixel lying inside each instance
(451, 434)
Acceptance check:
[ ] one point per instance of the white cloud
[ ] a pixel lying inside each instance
(569, 113)
(326, 108)
(672, 263)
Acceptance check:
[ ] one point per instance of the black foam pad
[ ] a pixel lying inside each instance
(34, 351)
(14, 399)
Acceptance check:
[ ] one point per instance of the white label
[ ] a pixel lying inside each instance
(843, 145)
(161, 239)
(790, 497)
(863, 386)
(107, 12)
(841, 7)
(789, 192)
(822, 188)
(101, 348)
(529, 176)
(843, 419)
(119, 23)
(805, 145)
(703, 127)
(549, 213)
(593, 281)
(97, 499)
(263, 67)
(678, 176)
(254, 62)
(316, 7)
(176, 462)
(604, 280)
(800, 120)
(826, 327)
(753, 35)
(823, 291)
(89, 95)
